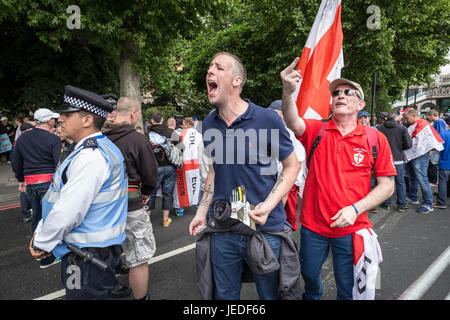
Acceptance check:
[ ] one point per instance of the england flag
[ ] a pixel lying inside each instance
(424, 139)
(321, 62)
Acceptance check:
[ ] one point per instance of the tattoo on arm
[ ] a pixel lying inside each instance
(279, 181)
(205, 202)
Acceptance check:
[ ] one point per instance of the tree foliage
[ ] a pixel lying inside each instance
(145, 27)
(171, 42)
(410, 45)
(33, 75)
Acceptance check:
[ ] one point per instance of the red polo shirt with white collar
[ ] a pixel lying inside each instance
(339, 175)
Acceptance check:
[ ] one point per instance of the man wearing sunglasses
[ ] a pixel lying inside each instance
(337, 192)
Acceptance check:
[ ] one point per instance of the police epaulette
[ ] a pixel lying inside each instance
(90, 143)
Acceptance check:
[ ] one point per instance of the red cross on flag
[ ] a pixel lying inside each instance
(321, 62)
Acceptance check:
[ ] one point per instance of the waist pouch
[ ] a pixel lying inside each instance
(221, 220)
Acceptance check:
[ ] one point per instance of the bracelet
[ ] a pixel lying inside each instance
(356, 210)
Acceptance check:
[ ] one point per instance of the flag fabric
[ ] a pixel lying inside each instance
(366, 258)
(424, 139)
(188, 182)
(321, 62)
(5, 143)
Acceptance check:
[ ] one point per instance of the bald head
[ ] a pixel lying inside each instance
(126, 104)
(128, 110)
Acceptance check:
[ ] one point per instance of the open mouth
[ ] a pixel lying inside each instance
(212, 87)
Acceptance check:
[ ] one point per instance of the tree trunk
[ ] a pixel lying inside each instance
(129, 76)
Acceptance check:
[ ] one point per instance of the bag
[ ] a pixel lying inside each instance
(174, 155)
(434, 156)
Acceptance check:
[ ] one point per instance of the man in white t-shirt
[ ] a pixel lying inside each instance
(290, 201)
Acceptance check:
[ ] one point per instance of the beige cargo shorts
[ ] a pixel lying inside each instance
(139, 245)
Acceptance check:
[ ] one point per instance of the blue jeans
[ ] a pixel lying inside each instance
(417, 172)
(167, 177)
(442, 187)
(400, 187)
(25, 205)
(35, 193)
(228, 254)
(314, 249)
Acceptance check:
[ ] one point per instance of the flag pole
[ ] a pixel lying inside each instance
(374, 86)
(407, 95)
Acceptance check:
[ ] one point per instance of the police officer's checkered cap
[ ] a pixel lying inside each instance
(87, 101)
(112, 99)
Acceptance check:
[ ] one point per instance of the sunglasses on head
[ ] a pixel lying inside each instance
(347, 92)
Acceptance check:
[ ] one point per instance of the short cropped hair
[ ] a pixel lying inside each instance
(238, 67)
(433, 112)
(189, 121)
(157, 116)
(98, 121)
(412, 112)
(126, 104)
(392, 115)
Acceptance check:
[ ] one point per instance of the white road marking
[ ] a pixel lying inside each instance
(172, 253)
(62, 292)
(54, 295)
(421, 285)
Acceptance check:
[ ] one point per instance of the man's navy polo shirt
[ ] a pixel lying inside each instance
(244, 154)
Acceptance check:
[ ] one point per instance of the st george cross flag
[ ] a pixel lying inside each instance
(321, 62)
(5, 144)
(424, 139)
(366, 258)
(188, 182)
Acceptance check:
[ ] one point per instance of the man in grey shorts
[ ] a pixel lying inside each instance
(142, 168)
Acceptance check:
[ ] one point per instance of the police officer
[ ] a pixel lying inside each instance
(86, 204)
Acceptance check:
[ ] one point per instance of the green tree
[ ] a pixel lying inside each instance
(410, 45)
(137, 31)
(33, 75)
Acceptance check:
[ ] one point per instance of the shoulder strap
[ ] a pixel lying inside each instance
(371, 135)
(372, 139)
(90, 143)
(319, 136)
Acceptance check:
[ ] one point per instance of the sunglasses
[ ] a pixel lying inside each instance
(347, 92)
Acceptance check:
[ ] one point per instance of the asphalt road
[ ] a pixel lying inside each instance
(410, 243)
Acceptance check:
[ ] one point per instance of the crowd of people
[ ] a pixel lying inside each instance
(421, 159)
(89, 177)
(39, 155)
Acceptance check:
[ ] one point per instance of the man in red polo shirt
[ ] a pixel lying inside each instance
(337, 190)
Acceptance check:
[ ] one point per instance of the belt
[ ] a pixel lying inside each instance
(133, 187)
(103, 252)
(134, 190)
(38, 178)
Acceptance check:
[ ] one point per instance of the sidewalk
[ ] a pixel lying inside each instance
(9, 192)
